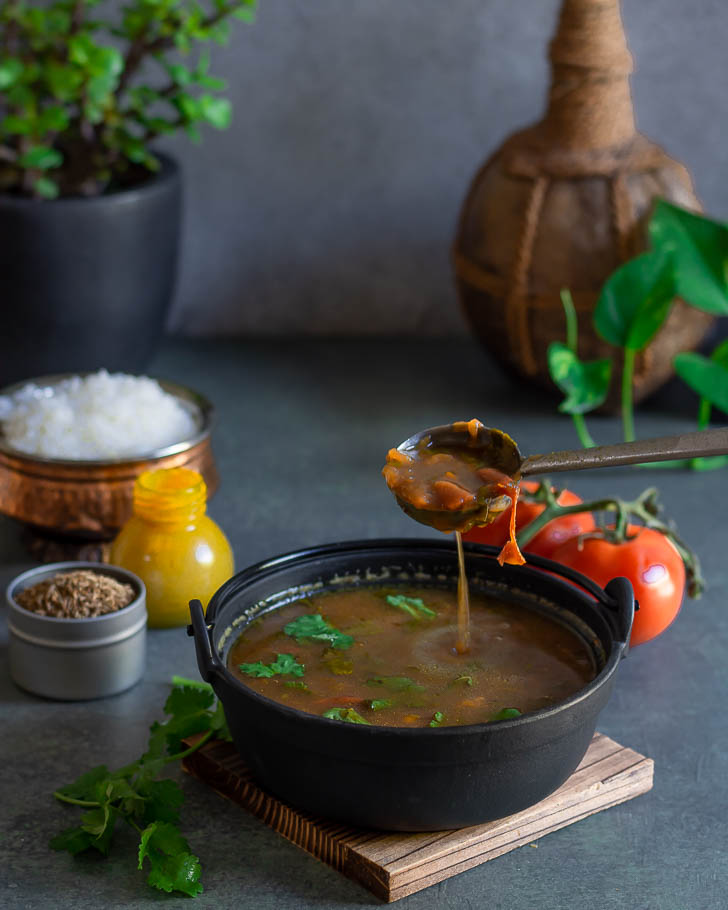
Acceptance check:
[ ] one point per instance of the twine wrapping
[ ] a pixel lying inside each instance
(590, 105)
(586, 137)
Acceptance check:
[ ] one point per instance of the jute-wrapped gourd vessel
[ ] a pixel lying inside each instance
(563, 203)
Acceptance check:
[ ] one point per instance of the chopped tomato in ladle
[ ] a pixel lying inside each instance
(457, 477)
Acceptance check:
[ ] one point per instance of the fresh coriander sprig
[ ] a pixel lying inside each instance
(137, 796)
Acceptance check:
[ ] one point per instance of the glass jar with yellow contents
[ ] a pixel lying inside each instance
(172, 545)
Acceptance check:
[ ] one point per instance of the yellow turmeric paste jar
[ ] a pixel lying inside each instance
(172, 545)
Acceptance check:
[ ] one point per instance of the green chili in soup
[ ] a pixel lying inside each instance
(387, 657)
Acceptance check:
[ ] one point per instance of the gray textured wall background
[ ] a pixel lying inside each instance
(329, 205)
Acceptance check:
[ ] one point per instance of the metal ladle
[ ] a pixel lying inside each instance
(499, 451)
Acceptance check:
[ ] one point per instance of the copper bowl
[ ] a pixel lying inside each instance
(93, 499)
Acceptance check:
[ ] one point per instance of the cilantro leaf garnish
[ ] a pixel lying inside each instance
(462, 681)
(337, 663)
(437, 718)
(412, 605)
(162, 800)
(313, 627)
(396, 683)
(348, 715)
(186, 683)
(283, 665)
(75, 840)
(136, 795)
(189, 710)
(506, 714)
(173, 867)
(376, 704)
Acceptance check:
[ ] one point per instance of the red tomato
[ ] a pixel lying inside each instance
(548, 538)
(649, 560)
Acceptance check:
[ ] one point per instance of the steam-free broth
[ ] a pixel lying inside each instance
(388, 657)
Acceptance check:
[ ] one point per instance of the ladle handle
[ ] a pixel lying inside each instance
(664, 448)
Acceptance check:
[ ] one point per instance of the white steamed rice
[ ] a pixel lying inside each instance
(95, 418)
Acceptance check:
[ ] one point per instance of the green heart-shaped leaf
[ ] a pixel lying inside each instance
(707, 377)
(585, 384)
(635, 300)
(699, 247)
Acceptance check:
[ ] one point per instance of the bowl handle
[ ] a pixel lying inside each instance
(621, 593)
(207, 661)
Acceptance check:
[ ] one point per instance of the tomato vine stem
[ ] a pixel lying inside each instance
(645, 509)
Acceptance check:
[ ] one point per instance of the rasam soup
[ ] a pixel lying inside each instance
(386, 656)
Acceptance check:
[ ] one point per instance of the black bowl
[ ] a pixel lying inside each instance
(412, 779)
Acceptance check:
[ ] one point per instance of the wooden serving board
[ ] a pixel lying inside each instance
(393, 865)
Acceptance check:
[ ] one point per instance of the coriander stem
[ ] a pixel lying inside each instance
(86, 803)
(179, 755)
(584, 435)
(627, 407)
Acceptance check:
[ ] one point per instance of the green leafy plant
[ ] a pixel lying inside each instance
(688, 259)
(137, 796)
(708, 376)
(585, 384)
(83, 96)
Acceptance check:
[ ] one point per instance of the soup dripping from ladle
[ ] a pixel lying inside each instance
(487, 465)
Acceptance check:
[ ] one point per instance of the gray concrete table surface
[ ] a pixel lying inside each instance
(301, 433)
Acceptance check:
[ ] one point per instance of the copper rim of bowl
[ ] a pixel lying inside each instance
(199, 408)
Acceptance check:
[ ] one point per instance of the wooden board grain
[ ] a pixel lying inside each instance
(393, 865)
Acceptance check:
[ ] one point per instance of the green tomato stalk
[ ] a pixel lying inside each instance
(645, 509)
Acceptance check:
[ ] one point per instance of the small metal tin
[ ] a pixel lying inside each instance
(76, 659)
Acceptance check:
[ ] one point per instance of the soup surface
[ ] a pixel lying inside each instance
(387, 656)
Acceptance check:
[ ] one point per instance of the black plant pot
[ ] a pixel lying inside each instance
(87, 283)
